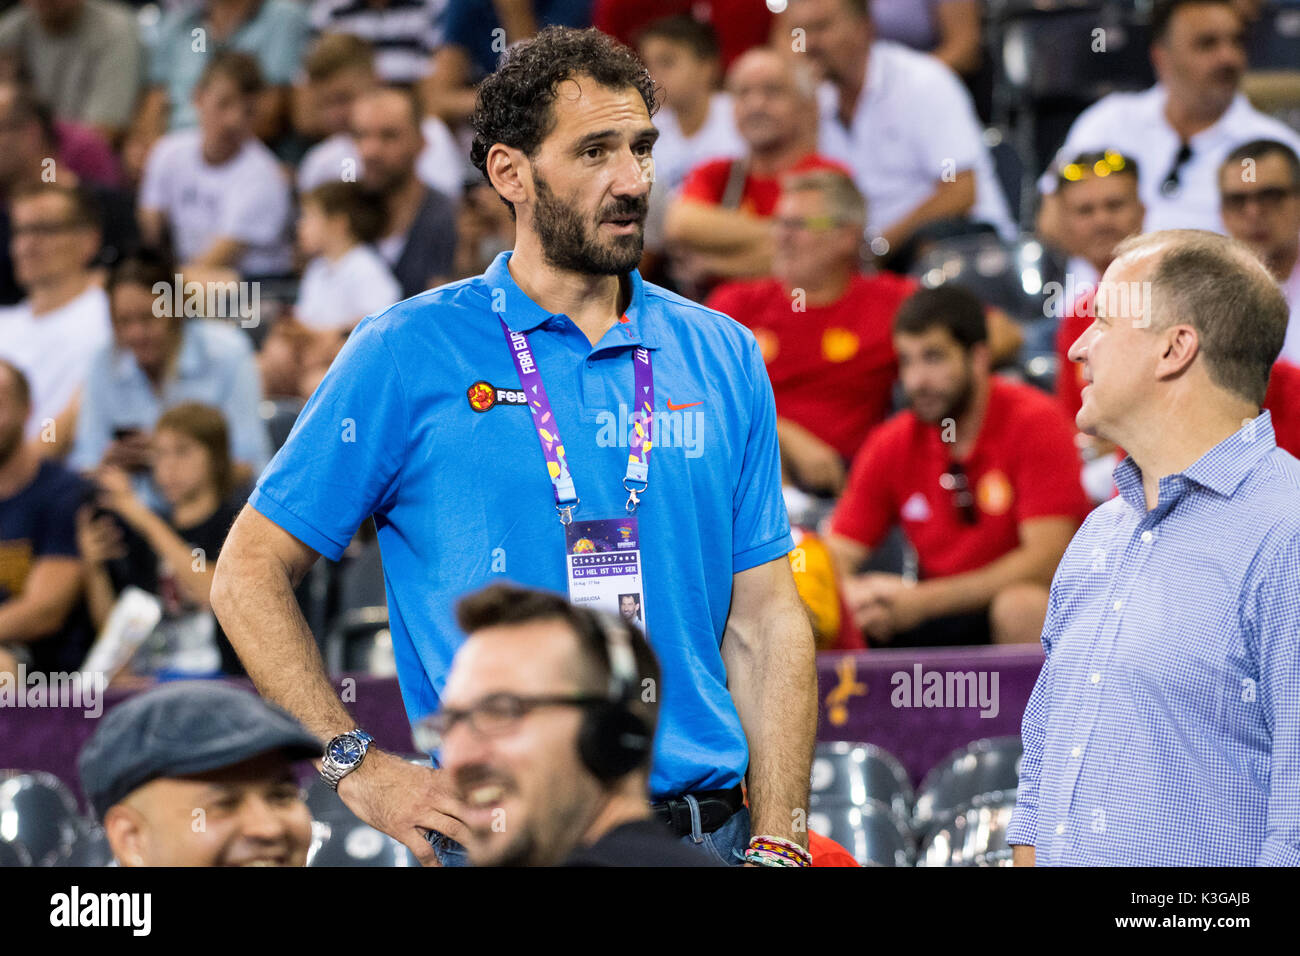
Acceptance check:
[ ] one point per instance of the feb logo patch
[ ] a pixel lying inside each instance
(483, 395)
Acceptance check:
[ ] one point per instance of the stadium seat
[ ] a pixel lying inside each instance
(14, 854)
(852, 775)
(90, 848)
(279, 414)
(976, 837)
(360, 641)
(979, 770)
(340, 838)
(362, 580)
(871, 833)
(40, 813)
(1015, 277)
(1274, 42)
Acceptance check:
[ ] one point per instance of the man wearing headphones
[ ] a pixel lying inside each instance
(545, 731)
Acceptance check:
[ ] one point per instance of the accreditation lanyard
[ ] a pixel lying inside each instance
(637, 478)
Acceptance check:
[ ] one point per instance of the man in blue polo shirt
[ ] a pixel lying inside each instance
(560, 423)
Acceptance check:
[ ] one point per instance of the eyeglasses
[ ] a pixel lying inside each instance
(494, 715)
(1268, 199)
(810, 223)
(44, 228)
(955, 481)
(1172, 185)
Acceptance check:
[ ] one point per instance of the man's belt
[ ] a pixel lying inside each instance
(716, 808)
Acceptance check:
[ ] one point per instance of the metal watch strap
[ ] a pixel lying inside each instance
(331, 772)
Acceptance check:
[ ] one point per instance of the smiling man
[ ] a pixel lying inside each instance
(1161, 730)
(197, 773)
(472, 422)
(546, 731)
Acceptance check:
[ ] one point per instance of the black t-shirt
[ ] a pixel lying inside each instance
(640, 843)
(147, 571)
(40, 522)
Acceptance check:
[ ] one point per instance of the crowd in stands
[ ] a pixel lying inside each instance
(200, 200)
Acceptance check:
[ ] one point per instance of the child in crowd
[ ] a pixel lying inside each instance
(178, 552)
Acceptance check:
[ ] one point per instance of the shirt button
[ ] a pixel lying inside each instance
(1060, 828)
(1147, 537)
(1095, 677)
(1117, 605)
(1076, 751)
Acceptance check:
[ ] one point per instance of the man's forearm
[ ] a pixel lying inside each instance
(974, 590)
(705, 228)
(950, 200)
(773, 681)
(1023, 856)
(253, 598)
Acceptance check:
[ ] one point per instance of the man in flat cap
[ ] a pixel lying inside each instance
(197, 773)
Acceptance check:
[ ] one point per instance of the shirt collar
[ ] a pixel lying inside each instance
(1221, 470)
(522, 314)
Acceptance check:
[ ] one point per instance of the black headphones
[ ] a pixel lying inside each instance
(613, 741)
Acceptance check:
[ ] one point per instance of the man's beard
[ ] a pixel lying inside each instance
(956, 405)
(10, 442)
(567, 244)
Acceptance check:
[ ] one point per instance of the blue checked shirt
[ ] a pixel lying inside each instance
(1164, 728)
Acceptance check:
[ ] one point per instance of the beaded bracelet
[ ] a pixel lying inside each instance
(782, 849)
(767, 858)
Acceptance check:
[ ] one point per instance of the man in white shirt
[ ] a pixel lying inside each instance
(339, 69)
(903, 122)
(1259, 196)
(217, 189)
(1179, 130)
(54, 334)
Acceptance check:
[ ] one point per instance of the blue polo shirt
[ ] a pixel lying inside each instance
(462, 499)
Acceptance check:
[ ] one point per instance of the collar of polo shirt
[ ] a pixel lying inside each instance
(522, 314)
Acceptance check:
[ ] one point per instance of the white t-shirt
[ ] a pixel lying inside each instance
(336, 295)
(245, 198)
(1291, 289)
(676, 154)
(441, 165)
(55, 349)
(913, 124)
(1135, 125)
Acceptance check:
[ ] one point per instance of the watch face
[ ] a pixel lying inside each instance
(345, 750)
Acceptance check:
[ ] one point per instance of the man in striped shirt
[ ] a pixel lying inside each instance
(1164, 728)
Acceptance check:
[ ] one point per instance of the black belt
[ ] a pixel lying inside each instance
(716, 808)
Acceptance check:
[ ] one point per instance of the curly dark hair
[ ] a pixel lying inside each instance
(513, 105)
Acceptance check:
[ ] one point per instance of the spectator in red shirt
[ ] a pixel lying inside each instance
(824, 328)
(982, 475)
(719, 226)
(740, 24)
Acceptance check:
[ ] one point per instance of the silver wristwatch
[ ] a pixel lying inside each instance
(344, 754)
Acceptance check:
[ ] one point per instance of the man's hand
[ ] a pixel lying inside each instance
(132, 452)
(884, 604)
(814, 465)
(99, 540)
(404, 800)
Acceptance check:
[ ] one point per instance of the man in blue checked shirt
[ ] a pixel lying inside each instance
(1164, 728)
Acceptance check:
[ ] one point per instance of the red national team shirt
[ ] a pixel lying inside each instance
(1069, 375)
(1023, 465)
(833, 366)
(739, 24)
(1282, 399)
(707, 183)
